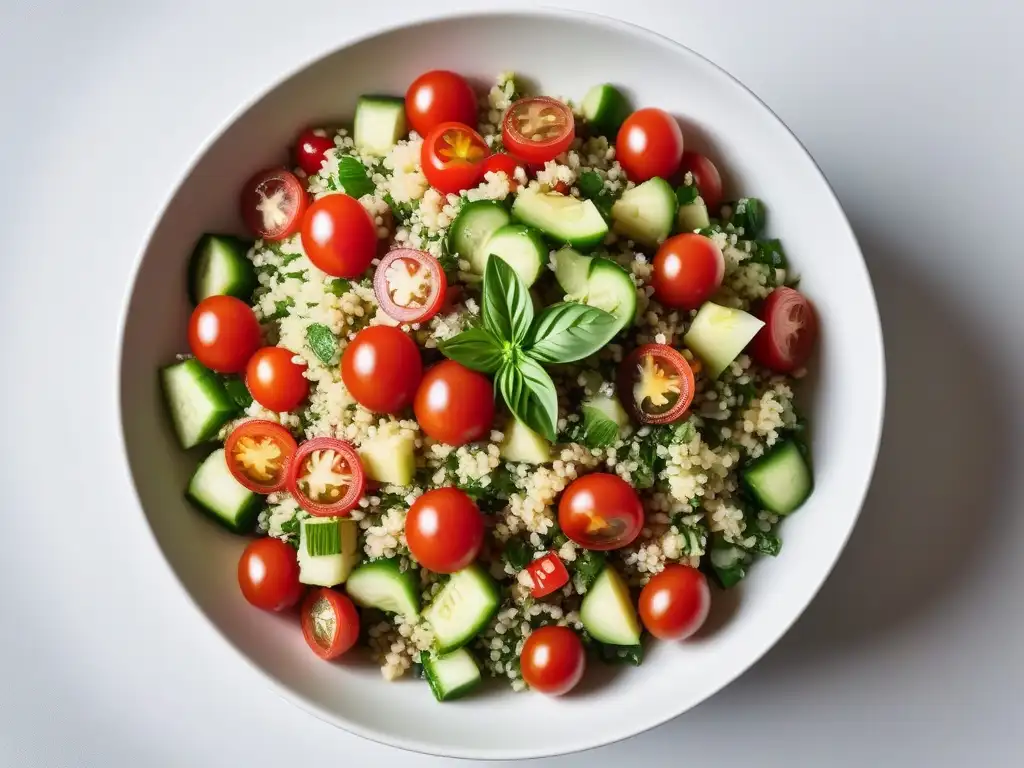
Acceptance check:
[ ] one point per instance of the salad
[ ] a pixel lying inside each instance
(498, 385)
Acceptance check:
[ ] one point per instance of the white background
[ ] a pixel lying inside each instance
(912, 653)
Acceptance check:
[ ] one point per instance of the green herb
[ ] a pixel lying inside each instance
(565, 333)
(728, 562)
(281, 308)
(323, 342)
(586, 567)
(687, 194)
(765, 542)
(353, 177)
(749, 214)
(339, 286)
(401, 211)
(390, 500)
(323, 538)
(530, 394)
(475, 348)
(237, 391)
(518, 553)
(288, 258)
(507, 307)
(598, 430)
(619, 654)
(491, 496)
(590, 184)
(290, 528)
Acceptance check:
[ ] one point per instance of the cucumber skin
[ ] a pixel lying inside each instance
(244, 291)
(769, 458)
(582, 243)
(467, 210)
(213, 387)
(246, 519)
(607, 121)
(457, 693)
(405, 577)
(466, 638)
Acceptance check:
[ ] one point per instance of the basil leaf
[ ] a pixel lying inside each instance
(507, 306)
(531, 396)
(323, 343)
(475, 348)
(598, 430)
(353, 177)
(564, 333)
(687, 194)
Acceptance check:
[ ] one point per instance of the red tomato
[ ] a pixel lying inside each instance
(258, 453)
(538, 129)
(410, 285)
(790, 331)
(339, 236)
(656, 384)
(454, 405)
(553, 660)
(275, 380)
(311, 151)
(649, 144)
(501, 162)
(705, 177)
(547, 574)
(688, 269)
(444, 530)
(381, 369)
(268, 574)
(273, 202)
(223, 333)
(675, 603)
(326, 477)
(600, 511)
(453, 157)
(330, 622)
(439, 97)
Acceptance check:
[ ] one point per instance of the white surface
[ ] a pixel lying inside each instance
(911, 653)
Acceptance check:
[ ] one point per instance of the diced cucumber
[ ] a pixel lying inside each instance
(566, 220)
(332, 567)
(383, 585)
(462, 608)
(521, 247)
(610, 406)
(781, 479)
(219, 267)
(523, 444)
(605, 108)
(693, 216)
(473, 226)
(389, 459)
(198, 403)
(719, 334)
(379, 123)
(214, 490)
(607, 610)
(572, 270)
(452, 675)
(647, 212)
(610, 288)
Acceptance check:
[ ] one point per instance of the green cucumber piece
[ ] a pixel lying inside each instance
(383, 585)
(332, 567)
(473, 226)
(719, 334)
(214, 491)
(693, 216)
(522, 444)
(389, 459)
(197, 401)
(607, 610)
(780, 479)
(566, 220)
(647, 212)
(521, 247)
(462, 608)
(452, 675)
(609, 287)
(572, 270)
(379, 123)
(219, 267)
(606, 109)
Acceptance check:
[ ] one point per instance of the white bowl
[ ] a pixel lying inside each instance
(565, 54)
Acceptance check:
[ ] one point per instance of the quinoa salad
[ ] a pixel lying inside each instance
(499, 384)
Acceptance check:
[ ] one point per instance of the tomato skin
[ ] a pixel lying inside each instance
(439, 96)
(649, 144)
(223, 333)
(601, 511)
(444, 530)
(453, 157)
(402, 258)
(538, 129)
(672, 363)
(548, 574)
(687, 270)
(260, 432)
(339, 236)
(381, 368)
(706, 178)
(454, 405)
(502, 162)
(675, 603)
(552, 660)
(345, 625)
(273, 203)
(275, 381)
(311, 150)
(344, 458)
(268, 574)
(790, 331)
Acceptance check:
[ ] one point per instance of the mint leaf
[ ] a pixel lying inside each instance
(598, 430)
(353, 177)
(565, 333)
(530, 394)
(475, 348)
(507, 306)
(323, 342)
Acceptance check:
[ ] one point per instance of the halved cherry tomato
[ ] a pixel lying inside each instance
(410, 285)
(381, 368)
(453, 404)
(548, 574)
(223, 333)
(439, 96)
(649, 144)
(258, 453)
(326, 477)
(656, 384)
(275, 380)
(453, 157)
(790, 331)
(339, 236)
(444, 530)
(501, 162)
(687, 270)
(330, 622)
(268, 574)
(538, 129)
(600, 511)
(311, 150)
(552, 660)
(706, 178)
(273, 203)
(675, 603)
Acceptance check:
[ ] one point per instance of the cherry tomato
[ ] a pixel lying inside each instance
(311, 150)
(453, 157)
(656, 384)
(600, 511)
(538, 129)
(223, 333)
(258, 453)
(688, 269)
(330, 622)
(439, 97)
(273, 203)
(275, 380)
(501, 162)
(339, 236)
(705, 177)
(454, 405)
(268, 574)
(553, 660)
(410, 285)
(649, 144)
(547, 574)
(675, 603)
(444, 530)
(790, 331)
(381, 369)
(326, 477)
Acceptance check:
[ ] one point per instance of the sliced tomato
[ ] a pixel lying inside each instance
(706, 178)
(548, 573)
(326, 477)
(410, 285)
(656, 383)
(258, 453)
(273, 204)
(330, 622)
(538, 129)
(790, 331)
(311, 150)
(501, 162)
(453, 157)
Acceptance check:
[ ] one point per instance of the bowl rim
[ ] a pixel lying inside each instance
(658, 717)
